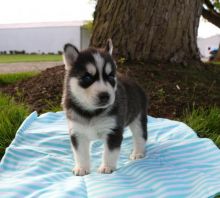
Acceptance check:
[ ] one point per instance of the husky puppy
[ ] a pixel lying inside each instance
(99, 104)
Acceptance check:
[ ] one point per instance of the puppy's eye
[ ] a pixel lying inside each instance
(111, 76)
(87, 79)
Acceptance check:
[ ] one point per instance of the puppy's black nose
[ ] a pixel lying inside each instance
(103, 98)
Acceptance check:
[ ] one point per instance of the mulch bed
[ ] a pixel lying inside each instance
(171, 89)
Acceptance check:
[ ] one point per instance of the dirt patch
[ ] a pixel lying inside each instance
(171, 89)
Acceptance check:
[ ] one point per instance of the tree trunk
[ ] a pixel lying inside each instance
(149, 30)
(211, 17)
(211, 12)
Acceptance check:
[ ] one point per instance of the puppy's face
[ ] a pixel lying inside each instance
(91, 76)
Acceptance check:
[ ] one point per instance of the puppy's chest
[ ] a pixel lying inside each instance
(96, 128)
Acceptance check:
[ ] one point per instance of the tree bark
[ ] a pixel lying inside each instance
(211, 17)
(210, 13)
(149, 30)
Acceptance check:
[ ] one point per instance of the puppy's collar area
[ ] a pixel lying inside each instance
(84, 112)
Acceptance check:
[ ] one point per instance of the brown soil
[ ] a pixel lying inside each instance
(171, 89)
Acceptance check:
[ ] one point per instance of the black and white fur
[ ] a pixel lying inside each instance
(99, 104)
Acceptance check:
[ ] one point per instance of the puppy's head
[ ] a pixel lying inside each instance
(91, 76)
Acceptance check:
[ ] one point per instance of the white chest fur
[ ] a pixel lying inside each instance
(96, 128)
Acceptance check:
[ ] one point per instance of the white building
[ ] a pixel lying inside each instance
(207, 44)
(42, 37)
(51, 37)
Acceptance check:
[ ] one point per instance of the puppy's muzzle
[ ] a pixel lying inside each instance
(103, 98)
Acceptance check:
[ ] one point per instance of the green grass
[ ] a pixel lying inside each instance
(206, 122)
(28, 58)
(217, 63)
(52, 107)
(11, 117)
(13, 78)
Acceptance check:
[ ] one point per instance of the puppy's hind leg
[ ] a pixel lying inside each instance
(139, 130)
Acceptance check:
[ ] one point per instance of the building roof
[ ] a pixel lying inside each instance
(42, 24)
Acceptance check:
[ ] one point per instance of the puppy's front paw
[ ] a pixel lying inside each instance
(79, 171)
(105, 169)
(136, 156)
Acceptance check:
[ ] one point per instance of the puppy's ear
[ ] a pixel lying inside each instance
(70, 54)
(109, 46)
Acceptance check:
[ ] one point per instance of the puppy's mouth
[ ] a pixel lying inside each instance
(102, 105)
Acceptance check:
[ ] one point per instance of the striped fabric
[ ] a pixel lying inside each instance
(39, 161)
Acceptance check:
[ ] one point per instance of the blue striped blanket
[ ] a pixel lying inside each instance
(39, 161)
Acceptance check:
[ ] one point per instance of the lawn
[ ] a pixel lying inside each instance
(12, 113)
(29, 58)
(11, 117)
(217, 63)
(6, 79)
(206, 122)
